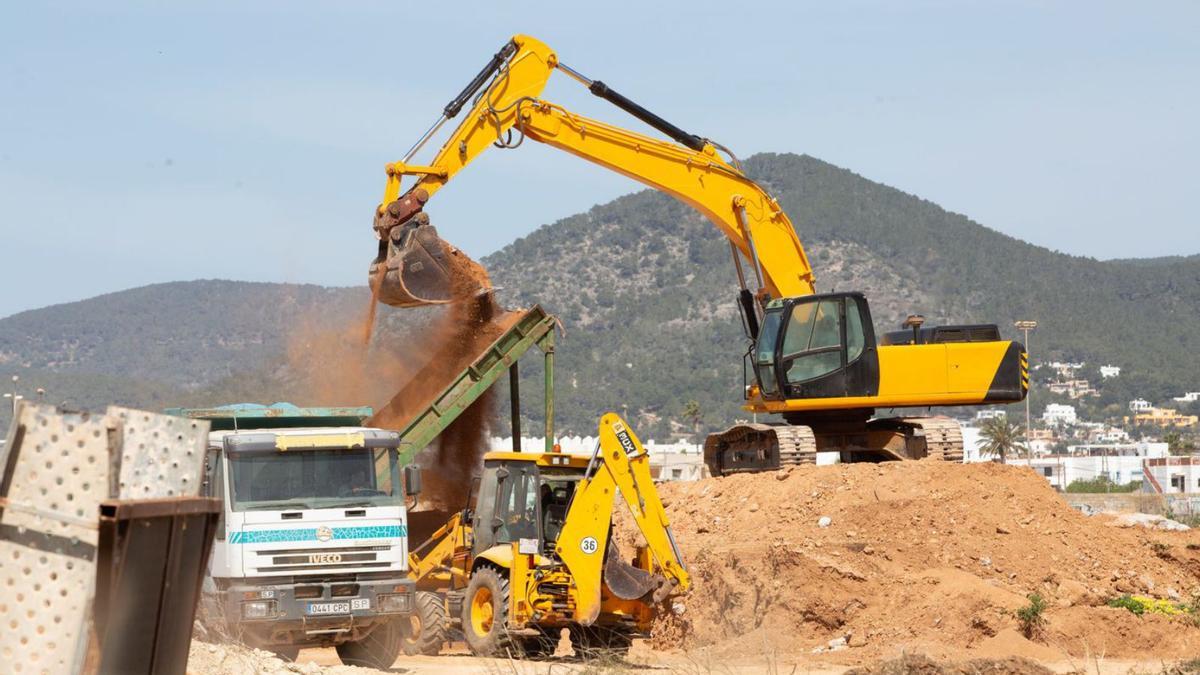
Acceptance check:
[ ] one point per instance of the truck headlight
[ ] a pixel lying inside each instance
(395, 603)
(259, 609)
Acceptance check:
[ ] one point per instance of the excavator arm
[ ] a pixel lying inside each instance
(506, 104)
(620, 464)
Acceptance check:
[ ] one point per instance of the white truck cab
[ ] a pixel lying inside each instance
(312, 547)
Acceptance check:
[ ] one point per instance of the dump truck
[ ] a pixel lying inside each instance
(311, 548)
(535, 554)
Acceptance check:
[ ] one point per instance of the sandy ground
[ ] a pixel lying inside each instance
(213, 659)
(916, 558)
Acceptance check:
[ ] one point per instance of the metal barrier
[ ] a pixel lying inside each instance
(152, 558)
(56, 470)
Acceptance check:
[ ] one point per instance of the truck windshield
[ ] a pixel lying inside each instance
(315, 479)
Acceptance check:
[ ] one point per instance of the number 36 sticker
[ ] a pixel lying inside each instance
(588, 545)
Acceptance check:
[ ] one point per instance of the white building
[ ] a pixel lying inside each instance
(1172, 475)
(668, 461)
(1110, 371)
(1138, 405)
(1059, 414)
(1190, 397)
(1121, 463)
(990, 415)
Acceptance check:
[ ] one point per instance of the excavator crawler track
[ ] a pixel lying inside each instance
(745, 448)
(943, 437)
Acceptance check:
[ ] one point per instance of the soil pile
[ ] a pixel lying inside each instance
(866, 561)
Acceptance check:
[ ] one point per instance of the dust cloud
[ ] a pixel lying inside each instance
(400, 375)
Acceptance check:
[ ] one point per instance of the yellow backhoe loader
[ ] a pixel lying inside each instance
(814, 359)
(535, 555)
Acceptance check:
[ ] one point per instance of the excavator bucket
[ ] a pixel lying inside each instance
(416, 267)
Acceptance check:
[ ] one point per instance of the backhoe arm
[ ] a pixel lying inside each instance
(620, 463)
(688, 168)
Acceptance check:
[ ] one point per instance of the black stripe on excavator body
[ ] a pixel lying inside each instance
(1008, 383)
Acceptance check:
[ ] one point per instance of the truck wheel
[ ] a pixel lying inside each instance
(485, 613)
(592, 642)
(379, 649)
(425, 629)
(286, 652)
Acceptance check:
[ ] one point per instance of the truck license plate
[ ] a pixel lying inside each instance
(339, 607)
(329, 608)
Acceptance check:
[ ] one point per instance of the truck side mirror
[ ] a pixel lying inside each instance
(412, 480)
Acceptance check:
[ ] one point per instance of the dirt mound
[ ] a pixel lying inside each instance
(917, 556)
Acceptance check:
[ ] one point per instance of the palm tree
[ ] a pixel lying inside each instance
(1001, 437)
(693, 412)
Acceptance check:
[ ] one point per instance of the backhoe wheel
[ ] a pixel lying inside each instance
(425, 629)
(592, 642)
(379, 649)
(485, 613)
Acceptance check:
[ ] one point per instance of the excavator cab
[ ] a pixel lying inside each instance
(817, 346)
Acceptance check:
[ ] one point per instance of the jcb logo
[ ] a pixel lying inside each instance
(625, 440)
(324, 558)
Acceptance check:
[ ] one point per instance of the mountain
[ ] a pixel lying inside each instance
(645, 289)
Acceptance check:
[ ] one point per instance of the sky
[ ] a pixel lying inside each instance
(147, 142)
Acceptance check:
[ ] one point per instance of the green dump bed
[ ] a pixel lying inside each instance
(533, 328)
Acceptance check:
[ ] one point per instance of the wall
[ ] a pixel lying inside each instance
(1134, 502)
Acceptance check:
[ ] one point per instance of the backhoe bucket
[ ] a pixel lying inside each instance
(416, 268)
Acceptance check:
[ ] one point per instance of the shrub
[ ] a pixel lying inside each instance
(1031, 617)
(1140, 604)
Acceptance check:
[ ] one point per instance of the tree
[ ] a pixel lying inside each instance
(693, 413)
(1001, 437)
(1177, 444)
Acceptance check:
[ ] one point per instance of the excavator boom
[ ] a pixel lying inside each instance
(414, 268)
(619, 464)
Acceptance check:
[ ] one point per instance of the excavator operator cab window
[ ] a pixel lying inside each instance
(764, 353)
(812, 343)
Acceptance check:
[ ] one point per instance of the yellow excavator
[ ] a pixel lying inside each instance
(535, 555)
(814, 358)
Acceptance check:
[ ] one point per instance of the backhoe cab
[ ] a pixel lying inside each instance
(535, 554)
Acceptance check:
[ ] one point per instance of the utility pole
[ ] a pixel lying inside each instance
(1027, 325)
(14, 397)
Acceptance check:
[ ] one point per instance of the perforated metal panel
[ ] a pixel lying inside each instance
(161, 456)
(48, 535)
(56, 472)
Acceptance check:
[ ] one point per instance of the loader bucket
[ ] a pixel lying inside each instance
(416, 267)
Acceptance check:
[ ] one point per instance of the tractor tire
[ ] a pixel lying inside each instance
(425, 630)
(485, 614)
(592, 642)
(379, 649)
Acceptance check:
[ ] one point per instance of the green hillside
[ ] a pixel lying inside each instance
(645, 290)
